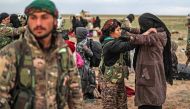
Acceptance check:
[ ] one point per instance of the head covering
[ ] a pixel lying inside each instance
(15, 21)
(131, 17)
(3, 16)
(147, 21)
(42, 5)
(81, 33)
(108, 27)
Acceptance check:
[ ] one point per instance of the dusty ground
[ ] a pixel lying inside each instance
(178, 96)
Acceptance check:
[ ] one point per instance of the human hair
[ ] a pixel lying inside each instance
(109, 27)
(3, 16)
(131, 17)
(147, 21)
(15, 21)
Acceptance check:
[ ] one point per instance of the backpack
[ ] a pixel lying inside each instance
(79, 60)
(96, 48)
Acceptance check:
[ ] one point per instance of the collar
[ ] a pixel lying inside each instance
(108, 38)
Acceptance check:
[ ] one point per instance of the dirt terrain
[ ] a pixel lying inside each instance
(178, 96)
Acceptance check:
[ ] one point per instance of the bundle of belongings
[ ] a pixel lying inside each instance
(183, 72)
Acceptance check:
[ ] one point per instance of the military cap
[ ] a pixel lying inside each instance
(42, 5)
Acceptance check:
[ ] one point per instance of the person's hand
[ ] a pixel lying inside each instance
(151, 30)
(85, 47)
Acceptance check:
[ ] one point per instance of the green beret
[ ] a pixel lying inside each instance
(42, 5)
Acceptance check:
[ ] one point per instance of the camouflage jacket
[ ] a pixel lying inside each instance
(7, 33)
(125, 23)
(46, 77)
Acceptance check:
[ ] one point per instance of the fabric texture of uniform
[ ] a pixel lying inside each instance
(48, 69)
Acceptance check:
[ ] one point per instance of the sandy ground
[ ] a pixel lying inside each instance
(178, 96)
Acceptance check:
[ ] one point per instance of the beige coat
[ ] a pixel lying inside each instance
(150, 83)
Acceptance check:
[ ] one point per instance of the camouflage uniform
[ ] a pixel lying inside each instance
(50, 74)
(7, 33)
(87, 74)
(113, 86)
(188, 40)
(125, 23)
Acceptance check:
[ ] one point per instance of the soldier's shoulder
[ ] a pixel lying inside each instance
(13, 45)
(5, 29)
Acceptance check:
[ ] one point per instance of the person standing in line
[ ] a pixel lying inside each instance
(7, 32)
(152, 62)
(112, 66)
(14, 20)
(86, 72)
(126, 22)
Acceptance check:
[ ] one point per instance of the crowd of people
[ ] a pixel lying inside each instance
(92, 24)
(42, 69)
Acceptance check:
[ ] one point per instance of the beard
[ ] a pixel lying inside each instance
(38, 37)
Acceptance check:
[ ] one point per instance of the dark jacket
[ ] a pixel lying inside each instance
(150, 86)
(112, 49)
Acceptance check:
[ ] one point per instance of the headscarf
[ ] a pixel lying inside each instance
(147, 21)
(108, 27)
(42, 5)
(81, 33)
(131, 17)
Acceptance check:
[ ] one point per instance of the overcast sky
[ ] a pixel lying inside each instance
(159, 7)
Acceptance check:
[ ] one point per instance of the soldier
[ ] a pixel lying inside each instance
(37, 72)
(6, 32)
(126, 22)
(188, 41)
(86, 72)
(112, 66)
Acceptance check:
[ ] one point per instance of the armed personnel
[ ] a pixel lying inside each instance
(38, 71)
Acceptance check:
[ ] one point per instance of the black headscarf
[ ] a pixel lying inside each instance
(15, 21)
(131, 17)
(147, 21)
